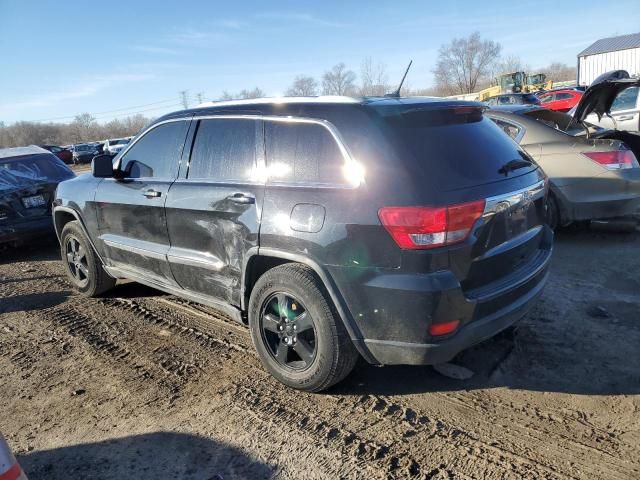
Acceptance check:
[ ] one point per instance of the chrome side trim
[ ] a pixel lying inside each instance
(501, 203)
(193, 258)
(141, 247)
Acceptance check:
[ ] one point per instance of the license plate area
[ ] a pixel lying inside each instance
(33, 201)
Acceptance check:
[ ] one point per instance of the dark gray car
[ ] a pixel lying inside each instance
(402, 230)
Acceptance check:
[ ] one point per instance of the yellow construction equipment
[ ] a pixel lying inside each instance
(515, 82)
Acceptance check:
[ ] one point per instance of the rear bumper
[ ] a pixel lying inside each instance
(405, 353)
(393, 311)
(26, 229)
(615, 194)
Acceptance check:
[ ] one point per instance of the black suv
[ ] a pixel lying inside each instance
(402, 230)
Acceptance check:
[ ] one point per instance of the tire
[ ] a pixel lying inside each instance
(306, 302)
(553, 212)
(82, 265)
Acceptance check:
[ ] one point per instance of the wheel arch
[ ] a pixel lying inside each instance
(62, 216)
(258, 258)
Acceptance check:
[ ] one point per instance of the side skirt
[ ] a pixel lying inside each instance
(225, 308)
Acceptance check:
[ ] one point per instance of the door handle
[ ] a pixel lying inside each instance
(151, 193)
(623, 117)
(242, 198)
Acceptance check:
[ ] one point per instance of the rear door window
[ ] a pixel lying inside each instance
(225, 150)
(300, 152)
(157, 153)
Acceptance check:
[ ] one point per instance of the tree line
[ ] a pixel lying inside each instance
(464, 65)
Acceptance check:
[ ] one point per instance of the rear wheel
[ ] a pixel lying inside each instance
(553, 212)
(298, 334)
(82, 265)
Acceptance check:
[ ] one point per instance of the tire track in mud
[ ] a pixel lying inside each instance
(375, 436)
(510, 454)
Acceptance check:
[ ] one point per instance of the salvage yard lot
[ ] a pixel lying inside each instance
(143, 385)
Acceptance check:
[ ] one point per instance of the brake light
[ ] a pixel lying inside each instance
(443, 328)
(614, 160)
(429, 227)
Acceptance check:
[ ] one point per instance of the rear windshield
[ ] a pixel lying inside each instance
(18, 172)
(454, 147)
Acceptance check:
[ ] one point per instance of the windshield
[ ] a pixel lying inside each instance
(120, 141)
(29, 169)
(83, 148)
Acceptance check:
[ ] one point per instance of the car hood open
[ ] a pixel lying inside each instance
(600, 95)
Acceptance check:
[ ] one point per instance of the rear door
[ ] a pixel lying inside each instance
(131, 217)
(214, 208)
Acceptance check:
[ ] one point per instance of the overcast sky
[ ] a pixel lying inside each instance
(58, 59)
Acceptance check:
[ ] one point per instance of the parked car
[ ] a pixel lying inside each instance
(114, 145)
(403, 230)
(514, 99)
(624, 113)
(28, 179)
(62, 153)
(591, 178)
(560, 100)
(83, 152)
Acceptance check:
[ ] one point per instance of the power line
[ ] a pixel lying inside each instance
(109, 111)
(129, 114)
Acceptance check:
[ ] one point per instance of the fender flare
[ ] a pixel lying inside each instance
(77, 216)
(336, 297)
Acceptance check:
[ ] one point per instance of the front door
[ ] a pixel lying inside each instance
(214, 208)
(131, 217)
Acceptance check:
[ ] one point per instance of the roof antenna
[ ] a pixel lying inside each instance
(396, 93)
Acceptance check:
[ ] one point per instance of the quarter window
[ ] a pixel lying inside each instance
(509, 128)
(157, 153)
(225, 149)
(303, 152)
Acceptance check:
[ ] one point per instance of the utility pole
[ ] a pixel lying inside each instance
(200, 97)
(184, 98)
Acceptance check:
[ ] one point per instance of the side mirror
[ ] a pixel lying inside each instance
(102, 166)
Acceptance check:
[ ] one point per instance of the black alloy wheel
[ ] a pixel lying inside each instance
(288, 331)
(77, 261)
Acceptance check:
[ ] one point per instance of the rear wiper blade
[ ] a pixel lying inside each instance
(514, 165)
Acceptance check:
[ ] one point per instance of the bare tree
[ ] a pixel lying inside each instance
(243, 94)
(559, 72)
(303, 86)
(465, 62)
(339, 81)
(374, 80)
(509, 64)
(83, 128)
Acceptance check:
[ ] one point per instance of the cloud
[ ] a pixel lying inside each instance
(155, 50)
(197, 38)
(86, 88)
(230, 24)
(300, 17)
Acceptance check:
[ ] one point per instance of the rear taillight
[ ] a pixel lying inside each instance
(429, 227)
(614, 160)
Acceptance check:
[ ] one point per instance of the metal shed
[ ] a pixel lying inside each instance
(613, 53)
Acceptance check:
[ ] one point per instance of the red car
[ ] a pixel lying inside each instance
(62, 153)
(560, 100)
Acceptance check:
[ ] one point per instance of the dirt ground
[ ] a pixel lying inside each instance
(143, 385)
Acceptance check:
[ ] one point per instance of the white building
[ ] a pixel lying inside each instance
(606, 54)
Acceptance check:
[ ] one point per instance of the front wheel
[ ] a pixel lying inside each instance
(82, 265)
(298, 335)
